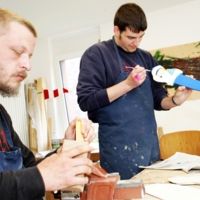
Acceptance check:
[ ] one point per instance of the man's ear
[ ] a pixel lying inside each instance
(116, 31)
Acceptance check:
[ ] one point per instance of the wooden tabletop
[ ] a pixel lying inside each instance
(151, 176)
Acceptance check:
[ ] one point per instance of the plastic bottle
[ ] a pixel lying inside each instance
(55, 141)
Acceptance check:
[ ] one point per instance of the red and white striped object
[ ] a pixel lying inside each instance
(53, 94)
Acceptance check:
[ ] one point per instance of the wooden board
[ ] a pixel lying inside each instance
(41, 85)
(150, 176)
(32, 131)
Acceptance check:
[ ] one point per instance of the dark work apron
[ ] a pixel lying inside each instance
(127, 128)
(10, 160)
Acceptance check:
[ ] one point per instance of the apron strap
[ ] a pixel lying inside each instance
(139, 59)
(6, 130)
(118, 56)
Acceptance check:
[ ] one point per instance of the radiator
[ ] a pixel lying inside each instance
(16, 107)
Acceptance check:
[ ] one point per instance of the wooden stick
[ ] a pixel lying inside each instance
(79, 136)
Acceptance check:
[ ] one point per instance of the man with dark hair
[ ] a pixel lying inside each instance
(21, 177)
(121, 95)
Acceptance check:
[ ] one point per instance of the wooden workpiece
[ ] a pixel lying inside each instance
(69, 144)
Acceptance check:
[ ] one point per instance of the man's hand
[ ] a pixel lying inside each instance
(136, 77)
(60, 170)
(87, 130)
(181, 94)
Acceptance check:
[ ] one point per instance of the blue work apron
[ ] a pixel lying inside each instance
(10, 160)
(127, 128)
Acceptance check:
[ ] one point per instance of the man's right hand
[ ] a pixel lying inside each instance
(61, 170)
(136, 77)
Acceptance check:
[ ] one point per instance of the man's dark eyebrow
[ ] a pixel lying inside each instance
(135, 37)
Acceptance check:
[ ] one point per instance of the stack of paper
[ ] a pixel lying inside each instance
(173, 192)
(179, 160)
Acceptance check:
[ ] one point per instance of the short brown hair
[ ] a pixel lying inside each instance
(6, 17)
(132, 16)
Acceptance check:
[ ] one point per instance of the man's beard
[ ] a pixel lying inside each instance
(7, 91)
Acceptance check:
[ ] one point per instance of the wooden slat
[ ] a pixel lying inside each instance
(41, 85)
(50, 133)
(79, 136)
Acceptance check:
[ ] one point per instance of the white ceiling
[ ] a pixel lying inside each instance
(55, 17)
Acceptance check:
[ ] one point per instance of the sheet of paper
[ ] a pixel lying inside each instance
(173, 192)
(179, 160)
(188, 179)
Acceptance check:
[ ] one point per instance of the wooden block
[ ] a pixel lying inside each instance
(69, 144)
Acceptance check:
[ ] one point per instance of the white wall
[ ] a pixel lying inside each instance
(40, 61)
(167, 27)
(45, 63)
(174, 26)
